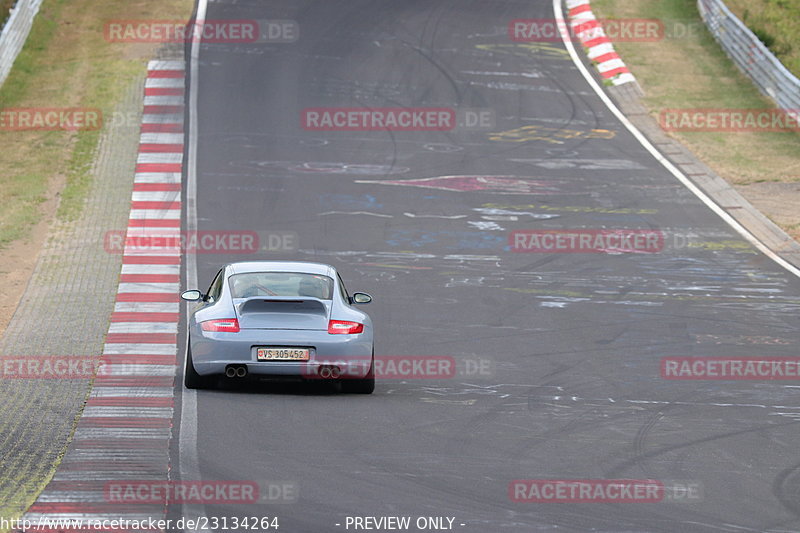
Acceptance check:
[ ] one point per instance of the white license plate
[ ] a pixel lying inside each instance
(282, 354)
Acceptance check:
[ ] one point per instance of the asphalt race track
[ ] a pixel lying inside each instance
(558, 354)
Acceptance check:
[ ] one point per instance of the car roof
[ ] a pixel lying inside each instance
(244, 267)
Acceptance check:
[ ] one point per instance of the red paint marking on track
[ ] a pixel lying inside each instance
(165, 73)
(139, 187)
(162, 109)
(139, 359)
(124, 422)
(151, 260)
(149, 278)
(164, 91)
(158, 167)
(131, 401)
(152, 148)
(141, 338)
(162, 128)
(155, 205)
(614, 72)
(134, 381)
(154, 223)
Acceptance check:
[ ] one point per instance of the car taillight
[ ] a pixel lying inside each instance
(225, 325)
(344, 326)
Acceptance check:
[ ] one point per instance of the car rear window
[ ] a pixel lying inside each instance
(281, 284)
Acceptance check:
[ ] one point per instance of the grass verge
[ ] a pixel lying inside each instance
(776, 23)
(66, 63)
(5, 7)
(688, 69)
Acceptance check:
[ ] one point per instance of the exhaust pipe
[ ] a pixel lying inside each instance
(329, 372)
(236, 371)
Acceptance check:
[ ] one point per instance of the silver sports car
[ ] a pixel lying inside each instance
(282, 320)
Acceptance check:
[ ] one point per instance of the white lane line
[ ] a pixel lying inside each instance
(159, 157)
(131, 392)
(732, 222)
(146, 307)
(149, 287)
(103, 411)
(611, 64)
(156, 196)
(90, 433)
(164, 83)
(157, 177)
(162, 118)
(165, 65)
(143, 327)
(164, 100)
(152, 214)
(161, 138)
(154, 269)
(187, 437)
(128, 369)
(144, 231)
(126, 348)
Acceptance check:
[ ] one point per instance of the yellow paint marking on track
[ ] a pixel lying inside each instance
(448, 402)
(550, 50)
(549, 134)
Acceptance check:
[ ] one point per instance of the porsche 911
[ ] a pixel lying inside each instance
(274, 320)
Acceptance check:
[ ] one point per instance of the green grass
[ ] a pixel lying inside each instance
(23, 187)
(66, 63)
(776, 23)
(5, 7)
(690, 70)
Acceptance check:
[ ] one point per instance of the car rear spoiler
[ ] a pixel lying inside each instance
(282, 304)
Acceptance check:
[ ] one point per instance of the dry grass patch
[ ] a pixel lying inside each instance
(776, 23)
(688, 69)
(66, 63)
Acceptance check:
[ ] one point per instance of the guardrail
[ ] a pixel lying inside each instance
(751, 55)
(15, 33)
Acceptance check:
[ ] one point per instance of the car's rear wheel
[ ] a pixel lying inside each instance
(361, 386)
(191, 378)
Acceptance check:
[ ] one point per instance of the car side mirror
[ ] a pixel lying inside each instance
(192, 296)
(360, 298)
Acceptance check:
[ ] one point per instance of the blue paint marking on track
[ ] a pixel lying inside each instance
(350, 201)
(450, 240)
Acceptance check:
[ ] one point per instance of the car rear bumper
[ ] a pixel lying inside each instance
(212, 353)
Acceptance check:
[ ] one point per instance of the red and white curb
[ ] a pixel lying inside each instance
(125, 429)
(600, 49)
